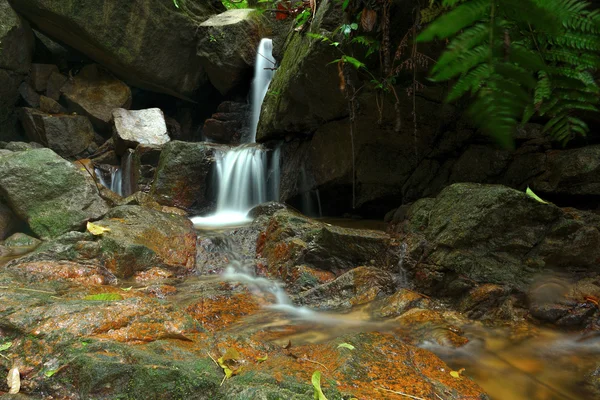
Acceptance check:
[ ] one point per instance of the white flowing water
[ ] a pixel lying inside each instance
(119, 179)
(263, 73)
(242, 172)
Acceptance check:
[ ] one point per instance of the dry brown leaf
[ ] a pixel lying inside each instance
(368, 19)
(13, 380)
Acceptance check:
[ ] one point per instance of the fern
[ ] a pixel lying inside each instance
(520, 58)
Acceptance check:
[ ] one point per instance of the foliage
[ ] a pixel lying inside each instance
(520, 58)
(316, 382)
(104, 297)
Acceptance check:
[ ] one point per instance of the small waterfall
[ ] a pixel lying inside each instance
(120, 180)
(241, 173)
(263, 73)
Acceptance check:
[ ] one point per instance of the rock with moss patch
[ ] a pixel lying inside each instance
(48, 192)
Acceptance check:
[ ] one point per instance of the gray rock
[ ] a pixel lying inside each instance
(48, 192)
(29, 95)
(95, 93)
(151, 44)
(227, 60)
(67, 135)
(21, 240)
(50, 106)
(56, 81)
(40, 75)
(132, 128)
(7, 221)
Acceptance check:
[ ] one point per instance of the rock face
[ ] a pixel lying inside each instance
(67, 135)
(183, 175)
(48, 192)
(149, 44)
(7, 221)
(95, 94)
(228, 60)
(132, 128)
(473, 234)
(15, 59)
(303, 99)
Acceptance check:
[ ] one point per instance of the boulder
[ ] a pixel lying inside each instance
(40, 75)
(292, 239)
(16, 50)
(227, 60)
(183, 175)
(151, 44)
(571, 172)
(21, 240)
(67, 135)
(132, 128)
(50, 106)
(229, 124)
(139, 238)
(48, 192)
(473, 234)
(29, 95)
(56, 81)
(95, 93)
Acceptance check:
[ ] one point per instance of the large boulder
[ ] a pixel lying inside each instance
(183, 175)
(138, 238)
(132, 128)
(292, 240)
(16, 50)
(150, 43)
(67, 135)
(472, 234)
(48, 192)
(228, 60)
(95, 93)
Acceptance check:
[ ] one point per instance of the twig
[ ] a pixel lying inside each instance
(3, 356)
(400, 393)
(314, 362)
(215, 361)
(27, 290)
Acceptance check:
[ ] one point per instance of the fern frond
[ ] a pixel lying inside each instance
(457, 19)
(470, 82)
(463, 61)
(576, 40)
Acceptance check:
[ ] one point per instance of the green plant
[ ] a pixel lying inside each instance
(519, 58)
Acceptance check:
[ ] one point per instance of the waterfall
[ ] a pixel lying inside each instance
(241, 173)
(263, 73)
(120, 180)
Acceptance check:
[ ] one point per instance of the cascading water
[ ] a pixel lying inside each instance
(118, 179)
(242, 172)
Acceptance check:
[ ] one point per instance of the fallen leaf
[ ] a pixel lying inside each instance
(346, 346)
(14, 380)
(127, 289)
(530, 193)
(316, 382)
(5, 346)
(104, 297)
(230, 362)
(96, 229)
(288, 346)
(261, 359)
(457, 374)
(51, 372)
(368, 19)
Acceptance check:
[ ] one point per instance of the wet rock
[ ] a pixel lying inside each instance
(48, 192)
(140, 238)
(21, 240)
(145, 160)
(292, 239)
(40, 75)
(50, 106)
(7, 221)
(358, 286)
(229, 124)
(266, 209)
(22, 146)
(15, 60)
(183, 175)
(157, 52)
(132, 128)
(95, 93)
(430, 326)
(67, 135)
(399, 303)
(84, 274)
(227, 60)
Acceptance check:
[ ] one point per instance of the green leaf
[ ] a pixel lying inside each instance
(354, 62)
(5, 346)
(530, 193)
(104, 297)
(262, 359)
(456, 20)
(316, 382)
(346, 346)
(50, 372)
(176, 4)
(127, 289)
(345, 4)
